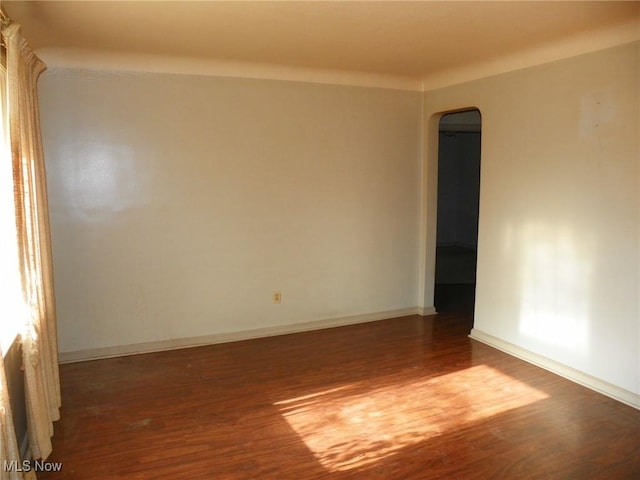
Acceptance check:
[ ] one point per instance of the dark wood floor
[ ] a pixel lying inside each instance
(409, 398)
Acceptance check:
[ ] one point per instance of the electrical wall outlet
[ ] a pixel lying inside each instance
(277, 296)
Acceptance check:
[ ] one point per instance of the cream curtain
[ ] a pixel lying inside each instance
(39, 336)
(9, 451)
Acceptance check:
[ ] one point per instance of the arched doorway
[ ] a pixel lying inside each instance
(458, 200)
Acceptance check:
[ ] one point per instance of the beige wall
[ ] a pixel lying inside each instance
(179, 203)
(558, 259)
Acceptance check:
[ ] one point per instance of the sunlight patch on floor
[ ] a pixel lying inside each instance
(354, 426)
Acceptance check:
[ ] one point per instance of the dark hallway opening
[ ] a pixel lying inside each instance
(458, 206)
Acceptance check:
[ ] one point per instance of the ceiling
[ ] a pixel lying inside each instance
(403, 39)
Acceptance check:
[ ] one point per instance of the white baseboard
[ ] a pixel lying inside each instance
(558, 368)
(173, 344)
(426, 311)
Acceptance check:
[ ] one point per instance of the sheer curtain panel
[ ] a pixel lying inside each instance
(9, 451)
(38, 333)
